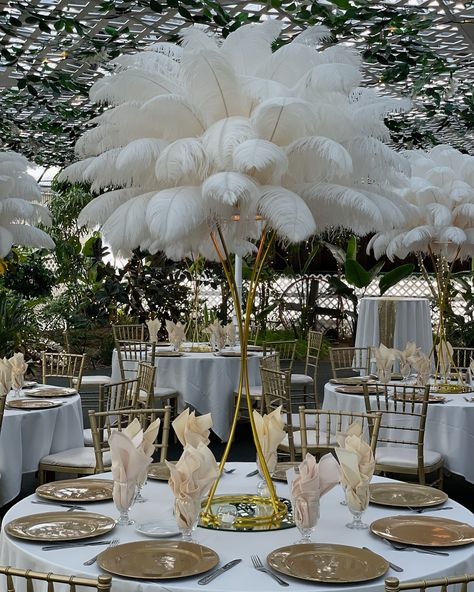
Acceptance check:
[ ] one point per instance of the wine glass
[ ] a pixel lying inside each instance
(141, 482)
(186, 512)
(124, 495)
(357, 503)
(405, 370)
(262, 486)
(306, 515)
(385, 374)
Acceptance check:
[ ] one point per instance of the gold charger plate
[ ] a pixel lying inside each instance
(59, 526)
(424, 531)
(168, 354)
(159, 471)
(228, 354)
(338, 564)
(255, 348)
(51, 392)
(77, 490)
(279, 474)
(354, 380)
(32, 404)
(358, 390)
(402, 495)
(158, 560)
(418, 399)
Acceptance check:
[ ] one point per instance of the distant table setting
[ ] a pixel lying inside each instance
(205, 380)
(42, 420)
(150, 555)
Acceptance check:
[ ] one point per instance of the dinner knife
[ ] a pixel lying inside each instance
(219, 571)
(72, 544)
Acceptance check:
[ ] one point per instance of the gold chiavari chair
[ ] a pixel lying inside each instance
(149, 395)
(70, 366)
(101, 583)
(90, 381)
(461, 582)
(106, 422)
(400, 447)
(3, 399)
(308, 378)
(318, 428)
(130, 353)
(271, 361)
(285, 349)
(117, 395)
(129, 332)
(462, 357)
(349, 360)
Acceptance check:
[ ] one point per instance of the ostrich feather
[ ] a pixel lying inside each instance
(213, 86)
(243, 248)
(259, 89)
(196, 39)
(461, 191)
(417, 238)
(25, 187)
(329, 77)
(74, 173)
(397, 248)
(184, 162)
(315, 158)
(429, 194)
(124, 229)
(333, 121)
(139, 156)
(30, 236)
(6, 241)
(313, 35)
(173, 213)
(102, 171)
(440, 176)
(439, 214)
(288, 64)
(287, 213)
(261, 159)
(463, 215)
(370, 157)
(174, 116)
(467, 169)
(16, 209)
(340, 54)
(97, 211)
(283, 120)
(223, 137)
(230, 188)
(250, 45)
(165, 64)
(379, 242)
(453, 234)
(41, 214)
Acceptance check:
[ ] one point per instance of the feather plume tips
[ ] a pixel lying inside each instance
(228, 132)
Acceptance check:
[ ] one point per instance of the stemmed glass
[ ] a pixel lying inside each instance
(262, 487)
(141, 482)
(186, 512)
(405, 370)
(124, 495)
(306, 515)
(357, 504)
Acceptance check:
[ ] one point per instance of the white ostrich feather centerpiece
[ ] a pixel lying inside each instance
(18, 210)
(438, 205)
(210, 133)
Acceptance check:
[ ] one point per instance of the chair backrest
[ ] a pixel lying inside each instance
(101, 583)
(118, 419)
(118, 395)
(146, 383)
(129, 332)
(270, 361)
(404, 409)
(462, 357)
(394, 585)
(63, 365)
(285, 349)
(276, 391)
(349, 360)
(130, 353)
(315, 341)
(3, 399)
(323, 424)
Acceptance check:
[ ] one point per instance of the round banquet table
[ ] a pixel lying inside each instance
(394, 322)
(232, 545)
(449, 427)
(204, 380)
(28, 435)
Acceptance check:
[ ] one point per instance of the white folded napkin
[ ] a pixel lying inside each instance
(192, 430)
(176, 333)
(270, 432)
(312, 481)
(153, 328)
(444, 354)
(190, 480)
(5, 377)
(19, 368)
(217, 335)
(384, 358)
(409, 351)
(422, 364)
(231, 335)
(470, 372)
(354, 429)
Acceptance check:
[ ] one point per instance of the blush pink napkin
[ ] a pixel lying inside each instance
(5, 376)
(191, 429)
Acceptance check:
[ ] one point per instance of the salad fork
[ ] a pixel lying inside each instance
(92, 560)
(400, 547)
(257, 563)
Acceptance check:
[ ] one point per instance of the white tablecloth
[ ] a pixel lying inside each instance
(203, 380)
(449, 427)
(412, 323)
(230, 545)
(27, 436)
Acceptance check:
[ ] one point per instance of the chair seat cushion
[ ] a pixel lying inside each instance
(301, 379)
(255, 391)
(403, 456)
(93, 380)
(88, 436)
(75, 457)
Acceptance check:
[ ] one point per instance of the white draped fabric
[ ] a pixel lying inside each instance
(27, 436)
(229, 545)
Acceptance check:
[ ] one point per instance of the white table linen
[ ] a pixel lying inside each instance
(230, 545)
(449, 427)
(412, 323)
(27, 436)
(203, 380)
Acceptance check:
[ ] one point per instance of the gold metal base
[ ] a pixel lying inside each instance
(447, 388)
(251, 512)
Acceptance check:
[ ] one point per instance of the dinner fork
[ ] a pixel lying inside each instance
(400, 547)
(92, 560)
(257, 563)
(423, 510)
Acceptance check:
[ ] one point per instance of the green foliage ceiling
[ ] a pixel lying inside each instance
(52, 51)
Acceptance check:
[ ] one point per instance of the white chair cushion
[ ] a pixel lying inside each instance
(255, 391)
(88, 436)
(93, 380)
(403, 456)
(301, 379)
(75, 457)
